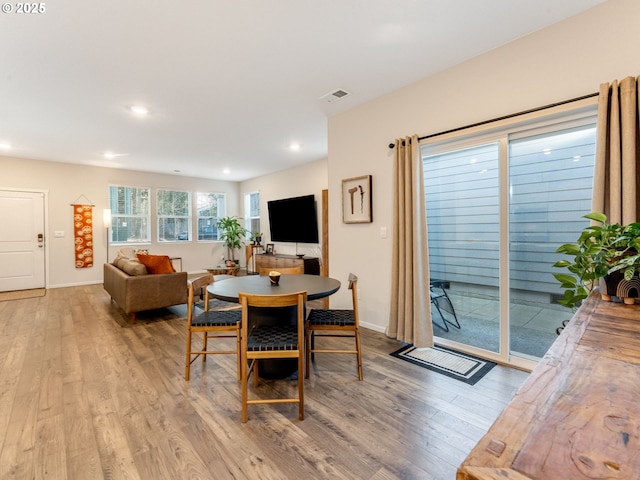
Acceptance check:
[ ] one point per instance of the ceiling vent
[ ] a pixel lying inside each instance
(334, 96)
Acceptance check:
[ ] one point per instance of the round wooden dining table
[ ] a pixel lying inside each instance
(316, 287)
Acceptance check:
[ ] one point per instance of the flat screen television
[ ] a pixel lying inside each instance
(293, 220)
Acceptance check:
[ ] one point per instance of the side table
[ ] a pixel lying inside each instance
(223, 270)
(175, 261)
(250, 255)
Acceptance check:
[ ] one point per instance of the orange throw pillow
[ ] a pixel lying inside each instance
(156, 263)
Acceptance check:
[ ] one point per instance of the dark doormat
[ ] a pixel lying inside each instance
(461, 366)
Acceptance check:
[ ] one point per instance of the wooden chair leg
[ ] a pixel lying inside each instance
(307, 349)
(300, 386)
(245, 380)
(205, 338)
(255, 373)
(238, 355)
(187, 368)
(359, 354)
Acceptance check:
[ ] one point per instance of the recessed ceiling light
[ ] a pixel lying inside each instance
(5, 145)
(295, 147)
(113, 155)
(226, 171)
(139, 110)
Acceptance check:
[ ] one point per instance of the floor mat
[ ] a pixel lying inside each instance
(463, 367)
(20, 294)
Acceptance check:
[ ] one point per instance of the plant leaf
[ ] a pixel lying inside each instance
(567, 281)
(598, 217)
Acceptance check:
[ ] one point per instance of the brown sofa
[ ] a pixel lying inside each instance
(135, 290)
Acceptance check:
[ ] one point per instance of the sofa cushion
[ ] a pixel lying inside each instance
(118, 261)
(130, 266)
(157, 263)
(131, 252)
(127, 252)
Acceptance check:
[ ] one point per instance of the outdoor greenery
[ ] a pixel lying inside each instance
(599, 251)
(174, 209)
(129, 210)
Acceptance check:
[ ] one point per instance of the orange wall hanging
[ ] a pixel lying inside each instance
(83, 235)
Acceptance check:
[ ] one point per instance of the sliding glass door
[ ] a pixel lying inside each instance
(550, 184)
(497, 208)
(463, 223)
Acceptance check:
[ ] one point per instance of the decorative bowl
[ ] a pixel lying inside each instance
(274, 277)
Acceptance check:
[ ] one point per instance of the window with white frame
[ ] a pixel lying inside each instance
(252, 213)
(130, 214)
(174, 215)
(210, 208)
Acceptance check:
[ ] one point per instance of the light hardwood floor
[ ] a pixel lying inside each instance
(84, 395)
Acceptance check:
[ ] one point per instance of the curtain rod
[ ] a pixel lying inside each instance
(537, 109)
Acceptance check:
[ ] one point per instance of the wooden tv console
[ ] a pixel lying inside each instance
(311, 264)
(577, 416)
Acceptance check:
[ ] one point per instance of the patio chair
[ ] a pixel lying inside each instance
(442, 302)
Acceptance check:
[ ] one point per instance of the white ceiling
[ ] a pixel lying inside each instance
(228, 84)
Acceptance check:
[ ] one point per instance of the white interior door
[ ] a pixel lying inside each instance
(22, 242)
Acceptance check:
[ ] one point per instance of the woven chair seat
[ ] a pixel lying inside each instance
(217, 318)
(273, 337)
(210, 324)
(334, 323)
(331, 317)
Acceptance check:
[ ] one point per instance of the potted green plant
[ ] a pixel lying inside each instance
(256, 237)
(232, 233)
(604, 254)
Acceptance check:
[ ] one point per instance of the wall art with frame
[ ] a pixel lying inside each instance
(356, 200)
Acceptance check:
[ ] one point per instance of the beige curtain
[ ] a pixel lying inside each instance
(410, 313)
(616, 183)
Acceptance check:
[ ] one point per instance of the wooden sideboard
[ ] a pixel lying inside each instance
(577, 416)
(311, 264)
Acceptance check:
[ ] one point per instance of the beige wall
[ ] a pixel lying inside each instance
(64, 183)
(310, 178)
(564, 61)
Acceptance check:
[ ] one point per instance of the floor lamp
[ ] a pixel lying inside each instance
(106, 218)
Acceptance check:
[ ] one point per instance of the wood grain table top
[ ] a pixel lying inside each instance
(577, 417)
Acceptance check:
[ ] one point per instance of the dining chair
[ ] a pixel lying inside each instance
(442, 302)
(334, 323)
(211, 323)
(298, 270)
(281, 340)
